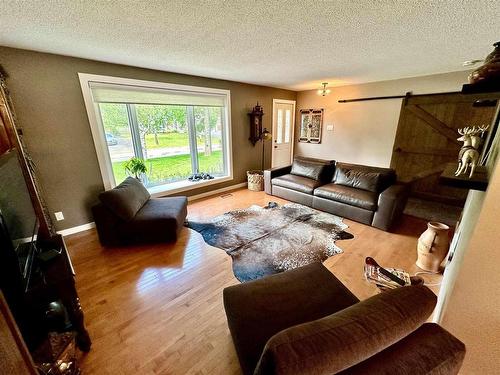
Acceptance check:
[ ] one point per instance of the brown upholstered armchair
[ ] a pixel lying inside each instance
(127, 214)
(305, 321)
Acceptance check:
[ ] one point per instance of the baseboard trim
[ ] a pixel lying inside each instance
(217, 191)
(79, 228)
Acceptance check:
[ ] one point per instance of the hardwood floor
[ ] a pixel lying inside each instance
(158, 309)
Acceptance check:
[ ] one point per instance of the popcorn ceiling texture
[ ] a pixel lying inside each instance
(290, 44)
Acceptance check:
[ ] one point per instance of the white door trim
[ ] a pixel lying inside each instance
(292, 139)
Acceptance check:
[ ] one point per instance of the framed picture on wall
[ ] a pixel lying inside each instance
(311, 123)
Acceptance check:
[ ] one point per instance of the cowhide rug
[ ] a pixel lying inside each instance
(265, 241)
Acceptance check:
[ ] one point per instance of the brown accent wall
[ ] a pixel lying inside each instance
(50, 109)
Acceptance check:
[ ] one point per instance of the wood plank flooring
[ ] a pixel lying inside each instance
(158, 309)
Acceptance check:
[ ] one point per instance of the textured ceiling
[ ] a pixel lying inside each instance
(291, 44)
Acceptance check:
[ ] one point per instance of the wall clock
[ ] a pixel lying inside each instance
(256, 123)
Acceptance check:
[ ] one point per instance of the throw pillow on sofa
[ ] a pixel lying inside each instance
(126, 199)
(365, 178)
(315, 170)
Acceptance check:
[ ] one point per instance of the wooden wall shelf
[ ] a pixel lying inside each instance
(480, 88)
(479, 180)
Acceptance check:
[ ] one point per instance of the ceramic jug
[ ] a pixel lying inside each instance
(433, 246)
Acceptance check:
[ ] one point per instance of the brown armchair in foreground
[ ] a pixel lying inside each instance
(305, 321)
(127, 214)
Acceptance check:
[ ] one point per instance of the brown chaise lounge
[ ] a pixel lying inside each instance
(127, 215)
(369, 195)
(305, 321)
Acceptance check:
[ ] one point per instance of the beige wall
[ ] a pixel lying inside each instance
(473, 310)
(50, 109)
(364, 131)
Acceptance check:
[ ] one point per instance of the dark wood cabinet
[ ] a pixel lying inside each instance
(36, 274)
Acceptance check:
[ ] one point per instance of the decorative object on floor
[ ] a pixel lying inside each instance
(385, 278)
(489, 72)
(324, 91)
(135, 167)
(468, 157)
(256, 123)
(311, 123)
(388, 278)
(264, 241)
(255, 180)
(433, 246)
(200, 177)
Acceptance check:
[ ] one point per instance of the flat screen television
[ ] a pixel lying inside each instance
(18, 222)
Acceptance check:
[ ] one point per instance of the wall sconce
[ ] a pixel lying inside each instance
(324, 91)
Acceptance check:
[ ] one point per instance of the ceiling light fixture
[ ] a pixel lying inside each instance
(324, 91)
(471, 62)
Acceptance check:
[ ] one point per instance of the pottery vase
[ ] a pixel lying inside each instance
(433, 246)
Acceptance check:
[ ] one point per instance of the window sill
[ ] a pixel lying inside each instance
(181, 186)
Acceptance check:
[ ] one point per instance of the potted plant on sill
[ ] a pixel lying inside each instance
(135, 167)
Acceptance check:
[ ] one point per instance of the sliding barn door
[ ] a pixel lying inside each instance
(426, 139)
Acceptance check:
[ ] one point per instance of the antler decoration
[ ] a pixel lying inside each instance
(473, 130)
(483, 128)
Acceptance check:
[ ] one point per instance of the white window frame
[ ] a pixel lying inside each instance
(99, 137)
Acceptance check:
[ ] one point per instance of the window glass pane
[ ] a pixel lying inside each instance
(279, 131)
(175, 138)
(164, 136)
(118, 137)
(288, 115)
(208, 125)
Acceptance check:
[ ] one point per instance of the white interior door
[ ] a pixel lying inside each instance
(283, 131)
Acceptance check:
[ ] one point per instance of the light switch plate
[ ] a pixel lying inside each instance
(59, 216)
(329, 127)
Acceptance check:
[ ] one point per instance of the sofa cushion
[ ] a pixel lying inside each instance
(343, 339)
(256, 310)
(125, 199)
(316, 169)
(430, 350)
(348, 195)
(297, 183)
(364, 177)
(159, 219)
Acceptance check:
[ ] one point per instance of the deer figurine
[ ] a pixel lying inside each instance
(468, 156)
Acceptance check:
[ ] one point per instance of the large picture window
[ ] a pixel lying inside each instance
(180, 132)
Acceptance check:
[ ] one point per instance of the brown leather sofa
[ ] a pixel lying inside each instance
(305, 321)
(128, 215)
(362, 193)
